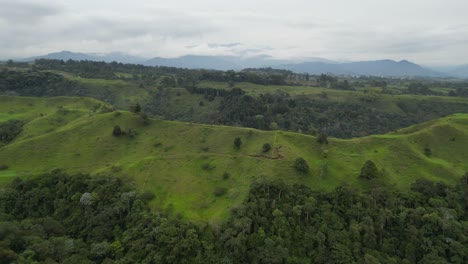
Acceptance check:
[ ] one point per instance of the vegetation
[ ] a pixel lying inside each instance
(369, 170)
(159, 191)
(63, 218)
(117, 131)
(69, 133)
(266, 147)
(9, 130)
(237, 143)
(301, 165)
(265, 99)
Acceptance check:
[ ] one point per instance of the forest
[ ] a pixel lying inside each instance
(62, 218)
(268, 111)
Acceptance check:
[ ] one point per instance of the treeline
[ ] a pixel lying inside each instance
(35, 83)
(151, 75)
(60, 218)
(311, 116)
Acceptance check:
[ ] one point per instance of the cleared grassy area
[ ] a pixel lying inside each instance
(183, 163)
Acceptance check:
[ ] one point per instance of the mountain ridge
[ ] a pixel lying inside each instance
(384, 67)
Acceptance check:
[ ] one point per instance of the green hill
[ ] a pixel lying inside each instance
(183, 163)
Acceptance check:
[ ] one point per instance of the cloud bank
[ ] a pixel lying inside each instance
(426, 31)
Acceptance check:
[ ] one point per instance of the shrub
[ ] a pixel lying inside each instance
(427, 152)
(3, 167)
(219, 191)
(9, 130)
(266, 147)
(146, 196)
(369, 170)
(226, 176)
(135, 108)
(237, 143)
(301, 165)
(132, 133)
(208, 166)
(117, 131)
(322, 139)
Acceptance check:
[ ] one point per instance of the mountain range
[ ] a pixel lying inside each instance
(386, 68)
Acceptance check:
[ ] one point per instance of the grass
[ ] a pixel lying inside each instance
(183, 163)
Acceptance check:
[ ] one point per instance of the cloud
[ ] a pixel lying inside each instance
(426, 31)
(26, 12)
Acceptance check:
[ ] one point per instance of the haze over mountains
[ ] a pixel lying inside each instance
(387, 68)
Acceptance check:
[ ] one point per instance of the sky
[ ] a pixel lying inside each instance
(429, 32)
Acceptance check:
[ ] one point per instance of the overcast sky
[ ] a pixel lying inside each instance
(431, 32)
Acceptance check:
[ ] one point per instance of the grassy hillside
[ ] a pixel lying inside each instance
(183, 164)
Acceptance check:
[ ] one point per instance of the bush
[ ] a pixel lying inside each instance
(322, 139)
(427, 152)
(369, 170)
(219, 191)
(117, 131)
(132, 133)
(208, 166)
(135, 108)
(146, 196)
(9, 130)
(226, 176)
(266, 147)
(301, 165)
(3, 167)
(237, 143)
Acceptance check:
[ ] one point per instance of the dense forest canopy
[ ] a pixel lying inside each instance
(60, 218)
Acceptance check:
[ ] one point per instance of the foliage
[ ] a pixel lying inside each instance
(266, 147)
(237, 143)
(322, 139)
(9, 130)
(226, 175)
(43, 220)
(219, 191)
(369, 170)
(136, 108)
(301, 165)
(427, 151)
(117, 131)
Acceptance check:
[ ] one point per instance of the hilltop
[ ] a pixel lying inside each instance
(183, 164)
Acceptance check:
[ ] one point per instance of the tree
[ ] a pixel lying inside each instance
(144, 118)
(301, 165)
(427, 151)
(117, 131)
(369, 170)
(237, 143)
(266, 147)
(322, 139)
(136, 108)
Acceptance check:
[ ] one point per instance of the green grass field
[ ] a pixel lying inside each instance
(183, 163)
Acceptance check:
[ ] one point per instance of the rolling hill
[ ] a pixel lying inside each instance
(183, 163)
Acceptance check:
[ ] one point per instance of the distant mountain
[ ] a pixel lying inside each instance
(107, 57)
(374, 68)
(388, 68)
(461, 71)
(216, 62)
(194, 62)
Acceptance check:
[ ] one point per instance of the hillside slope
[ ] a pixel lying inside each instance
(183, 164)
